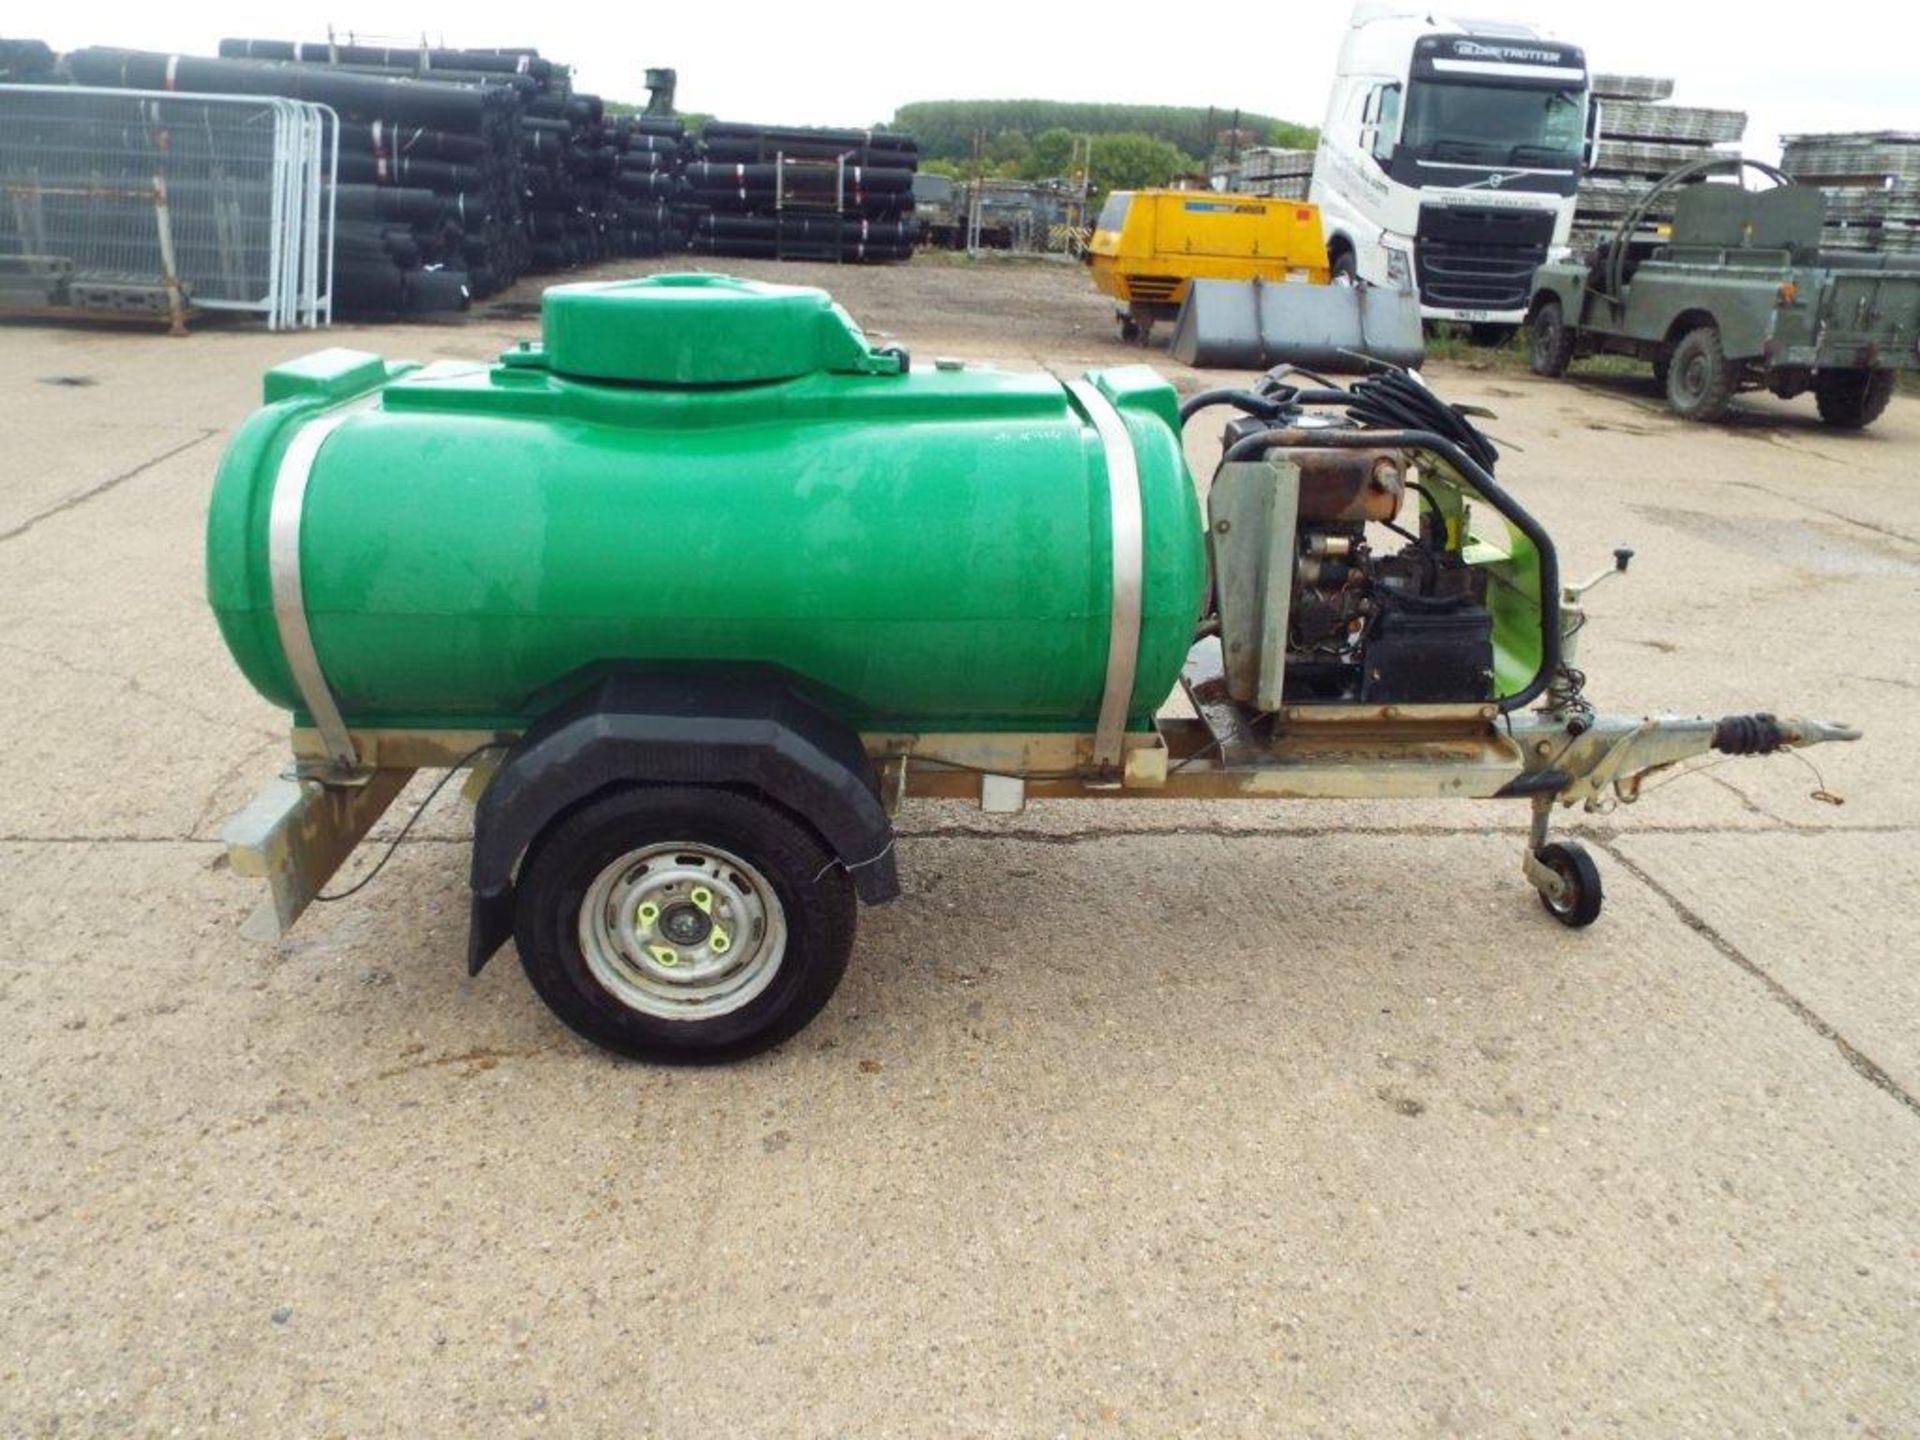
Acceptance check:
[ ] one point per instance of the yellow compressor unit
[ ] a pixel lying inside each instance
(1150, 245)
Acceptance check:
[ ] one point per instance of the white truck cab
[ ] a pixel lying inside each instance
(1450, 156)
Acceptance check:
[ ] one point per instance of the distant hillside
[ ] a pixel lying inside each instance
(945, 128)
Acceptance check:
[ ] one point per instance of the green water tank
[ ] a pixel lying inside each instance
(694, 468)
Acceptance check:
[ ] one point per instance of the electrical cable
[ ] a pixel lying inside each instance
(1219, 742)
(412, 820)
(1420, 487)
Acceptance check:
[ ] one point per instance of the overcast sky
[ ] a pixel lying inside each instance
(1832, 65)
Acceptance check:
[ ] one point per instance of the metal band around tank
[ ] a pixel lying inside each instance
(1129, 563)
(289, 594)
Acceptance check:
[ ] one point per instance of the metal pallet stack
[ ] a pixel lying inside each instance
(1642, 138)
(802, 194)
(1872, 183)
(1274, 172)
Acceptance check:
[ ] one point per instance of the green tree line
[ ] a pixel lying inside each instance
(1128, 160)
(945, 129)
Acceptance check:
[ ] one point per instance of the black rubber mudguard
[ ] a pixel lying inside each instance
(748, 727)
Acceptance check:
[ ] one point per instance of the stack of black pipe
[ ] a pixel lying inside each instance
(647, 202)
(578, 198)
(461, 170)
(483, 223)
(793, 194)
(599, 186)
(27, 62)
(561, 137)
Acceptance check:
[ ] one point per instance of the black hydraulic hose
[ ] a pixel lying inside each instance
(1395, 400)
(1482, 480)
(1264, 406)
(1260, 405)
(1334, 396)
(1278, 377)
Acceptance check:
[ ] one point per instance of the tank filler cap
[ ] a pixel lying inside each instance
(692, 329)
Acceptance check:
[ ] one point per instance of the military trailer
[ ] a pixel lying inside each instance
(1737, 296)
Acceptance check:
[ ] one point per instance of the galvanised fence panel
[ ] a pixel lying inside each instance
(144, 203)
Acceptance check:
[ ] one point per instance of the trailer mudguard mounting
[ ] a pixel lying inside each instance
(732, 726)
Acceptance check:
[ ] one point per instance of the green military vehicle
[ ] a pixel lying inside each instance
(1737, 296)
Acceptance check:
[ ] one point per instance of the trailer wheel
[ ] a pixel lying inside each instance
(1549, 341)
(1853, 399)
(686, 925)
(1699, 380)
(1129, 330)
(1580, 905)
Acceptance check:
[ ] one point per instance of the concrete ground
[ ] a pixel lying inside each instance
(1130, 1119)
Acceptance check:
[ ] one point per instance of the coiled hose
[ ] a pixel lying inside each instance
(1396, 400)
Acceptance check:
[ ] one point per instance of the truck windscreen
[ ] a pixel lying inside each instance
(1452, 123)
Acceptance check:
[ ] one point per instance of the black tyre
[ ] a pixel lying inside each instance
(1129, 330)
(1570, 861)
(1493, 337)
(1662, 367)
(1549, 342)
(1853, 399)
(685, 925)
(1344, 267)
(1700, 383)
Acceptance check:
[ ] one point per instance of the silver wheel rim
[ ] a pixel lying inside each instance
(682, 931)
(1545, 334)
(1564, 905)
(1693, 377)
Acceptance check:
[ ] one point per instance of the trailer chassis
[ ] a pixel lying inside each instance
(302, 827)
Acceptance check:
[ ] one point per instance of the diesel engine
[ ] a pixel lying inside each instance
(1382, 606)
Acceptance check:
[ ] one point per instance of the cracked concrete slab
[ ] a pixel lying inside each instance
(1052, 1161)
(42, 489)
(1131, 1118)
(1762, 894)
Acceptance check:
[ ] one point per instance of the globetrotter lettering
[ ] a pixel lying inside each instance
(1476, 50)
